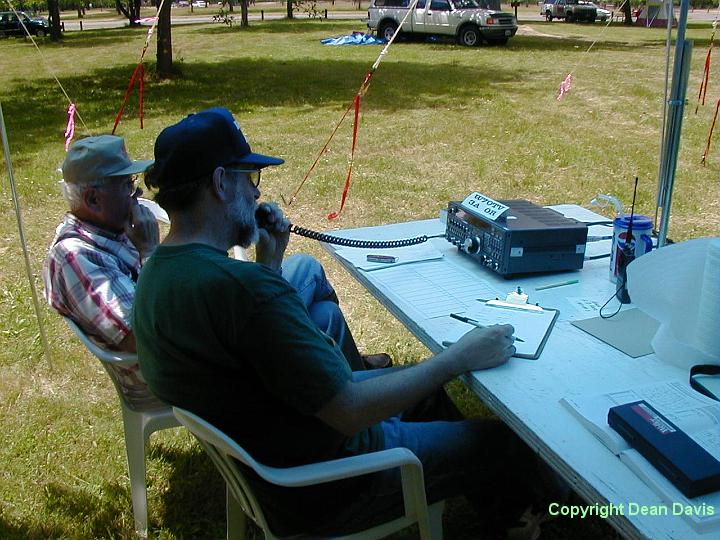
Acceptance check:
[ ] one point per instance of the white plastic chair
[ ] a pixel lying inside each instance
(241, 501)
(143, 414)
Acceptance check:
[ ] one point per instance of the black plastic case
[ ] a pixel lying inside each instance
(679, 458)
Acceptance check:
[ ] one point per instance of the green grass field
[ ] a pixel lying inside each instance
(438, 122)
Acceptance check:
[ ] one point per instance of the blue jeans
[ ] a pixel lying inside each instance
(308, 278)
(479, 458)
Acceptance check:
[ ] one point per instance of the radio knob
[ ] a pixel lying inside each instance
(471, 245)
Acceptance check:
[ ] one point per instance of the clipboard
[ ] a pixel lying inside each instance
(532, 323)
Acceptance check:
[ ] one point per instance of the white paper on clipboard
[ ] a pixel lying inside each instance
(532, 324)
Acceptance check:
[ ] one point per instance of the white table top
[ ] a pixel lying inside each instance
(525, 394)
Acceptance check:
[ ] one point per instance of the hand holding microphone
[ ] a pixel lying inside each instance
(274, 235)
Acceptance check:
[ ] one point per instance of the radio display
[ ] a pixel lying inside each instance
(473, 220)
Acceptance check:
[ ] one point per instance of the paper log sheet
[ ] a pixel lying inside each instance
(530, 326)
(435, 288)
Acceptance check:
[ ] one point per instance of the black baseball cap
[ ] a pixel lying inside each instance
(198, 144)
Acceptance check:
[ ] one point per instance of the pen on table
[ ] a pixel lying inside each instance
(382, 258)
(558, 284)
(475, 323)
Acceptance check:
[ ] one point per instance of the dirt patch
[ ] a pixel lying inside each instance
(528, 31)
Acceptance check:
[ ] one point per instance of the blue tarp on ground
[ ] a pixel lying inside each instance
(356, 38)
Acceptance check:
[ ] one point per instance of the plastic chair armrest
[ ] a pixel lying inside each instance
(328, 471)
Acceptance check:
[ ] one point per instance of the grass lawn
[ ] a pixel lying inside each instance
(438, 122)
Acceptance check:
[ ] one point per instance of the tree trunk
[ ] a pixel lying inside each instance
(244, 13)
(289, 9)
(132, 11)
(627, 11)
(54, 16)
(135, 12)
(164, 42)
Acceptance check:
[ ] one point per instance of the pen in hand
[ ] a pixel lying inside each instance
(475, 323)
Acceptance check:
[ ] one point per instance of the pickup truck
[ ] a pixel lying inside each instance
(467, 20)
(570, 10)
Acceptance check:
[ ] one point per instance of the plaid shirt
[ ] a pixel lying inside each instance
(90, 276)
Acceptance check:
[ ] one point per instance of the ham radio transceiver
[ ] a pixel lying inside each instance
(526, 238)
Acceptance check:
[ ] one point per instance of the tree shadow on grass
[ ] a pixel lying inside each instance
(24, 530)
(93, 38)
(35, 113)
(276, 26)
(524, 42)
(35, 110)
(193, 505)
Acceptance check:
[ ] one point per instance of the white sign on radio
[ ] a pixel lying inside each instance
(480, 205)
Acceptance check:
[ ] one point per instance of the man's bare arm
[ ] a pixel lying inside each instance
(362, 404)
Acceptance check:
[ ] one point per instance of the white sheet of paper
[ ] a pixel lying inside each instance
(530, 326)
(435, 288)
(584, 306)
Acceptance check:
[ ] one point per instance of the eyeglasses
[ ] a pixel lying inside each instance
(128, 185)
(253, 175)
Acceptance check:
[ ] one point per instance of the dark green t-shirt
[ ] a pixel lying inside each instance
(231, 341)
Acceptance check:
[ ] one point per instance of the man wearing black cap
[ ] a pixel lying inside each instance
(231, 341)
(96, 256)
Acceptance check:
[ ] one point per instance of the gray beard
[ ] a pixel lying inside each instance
(247, 231)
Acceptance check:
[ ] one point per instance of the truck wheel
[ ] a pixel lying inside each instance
(548, 16)
(469, 36)
(591, 20)
(387, 30)
(569, 17)
(40, 33)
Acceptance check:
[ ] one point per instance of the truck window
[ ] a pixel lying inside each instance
(440, 5)
(391, 3)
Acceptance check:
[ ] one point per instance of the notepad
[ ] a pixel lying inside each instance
(532, 324)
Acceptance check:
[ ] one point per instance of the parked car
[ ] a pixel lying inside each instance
(570, 10)
(200, 3)
(10, 24)
(602, 13)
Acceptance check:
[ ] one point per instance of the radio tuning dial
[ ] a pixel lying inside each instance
(471, 245)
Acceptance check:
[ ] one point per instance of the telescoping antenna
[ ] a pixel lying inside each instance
(626, 255)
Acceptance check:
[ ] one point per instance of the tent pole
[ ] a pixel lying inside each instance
(676, 106)
(668, 42)
(23, 242)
